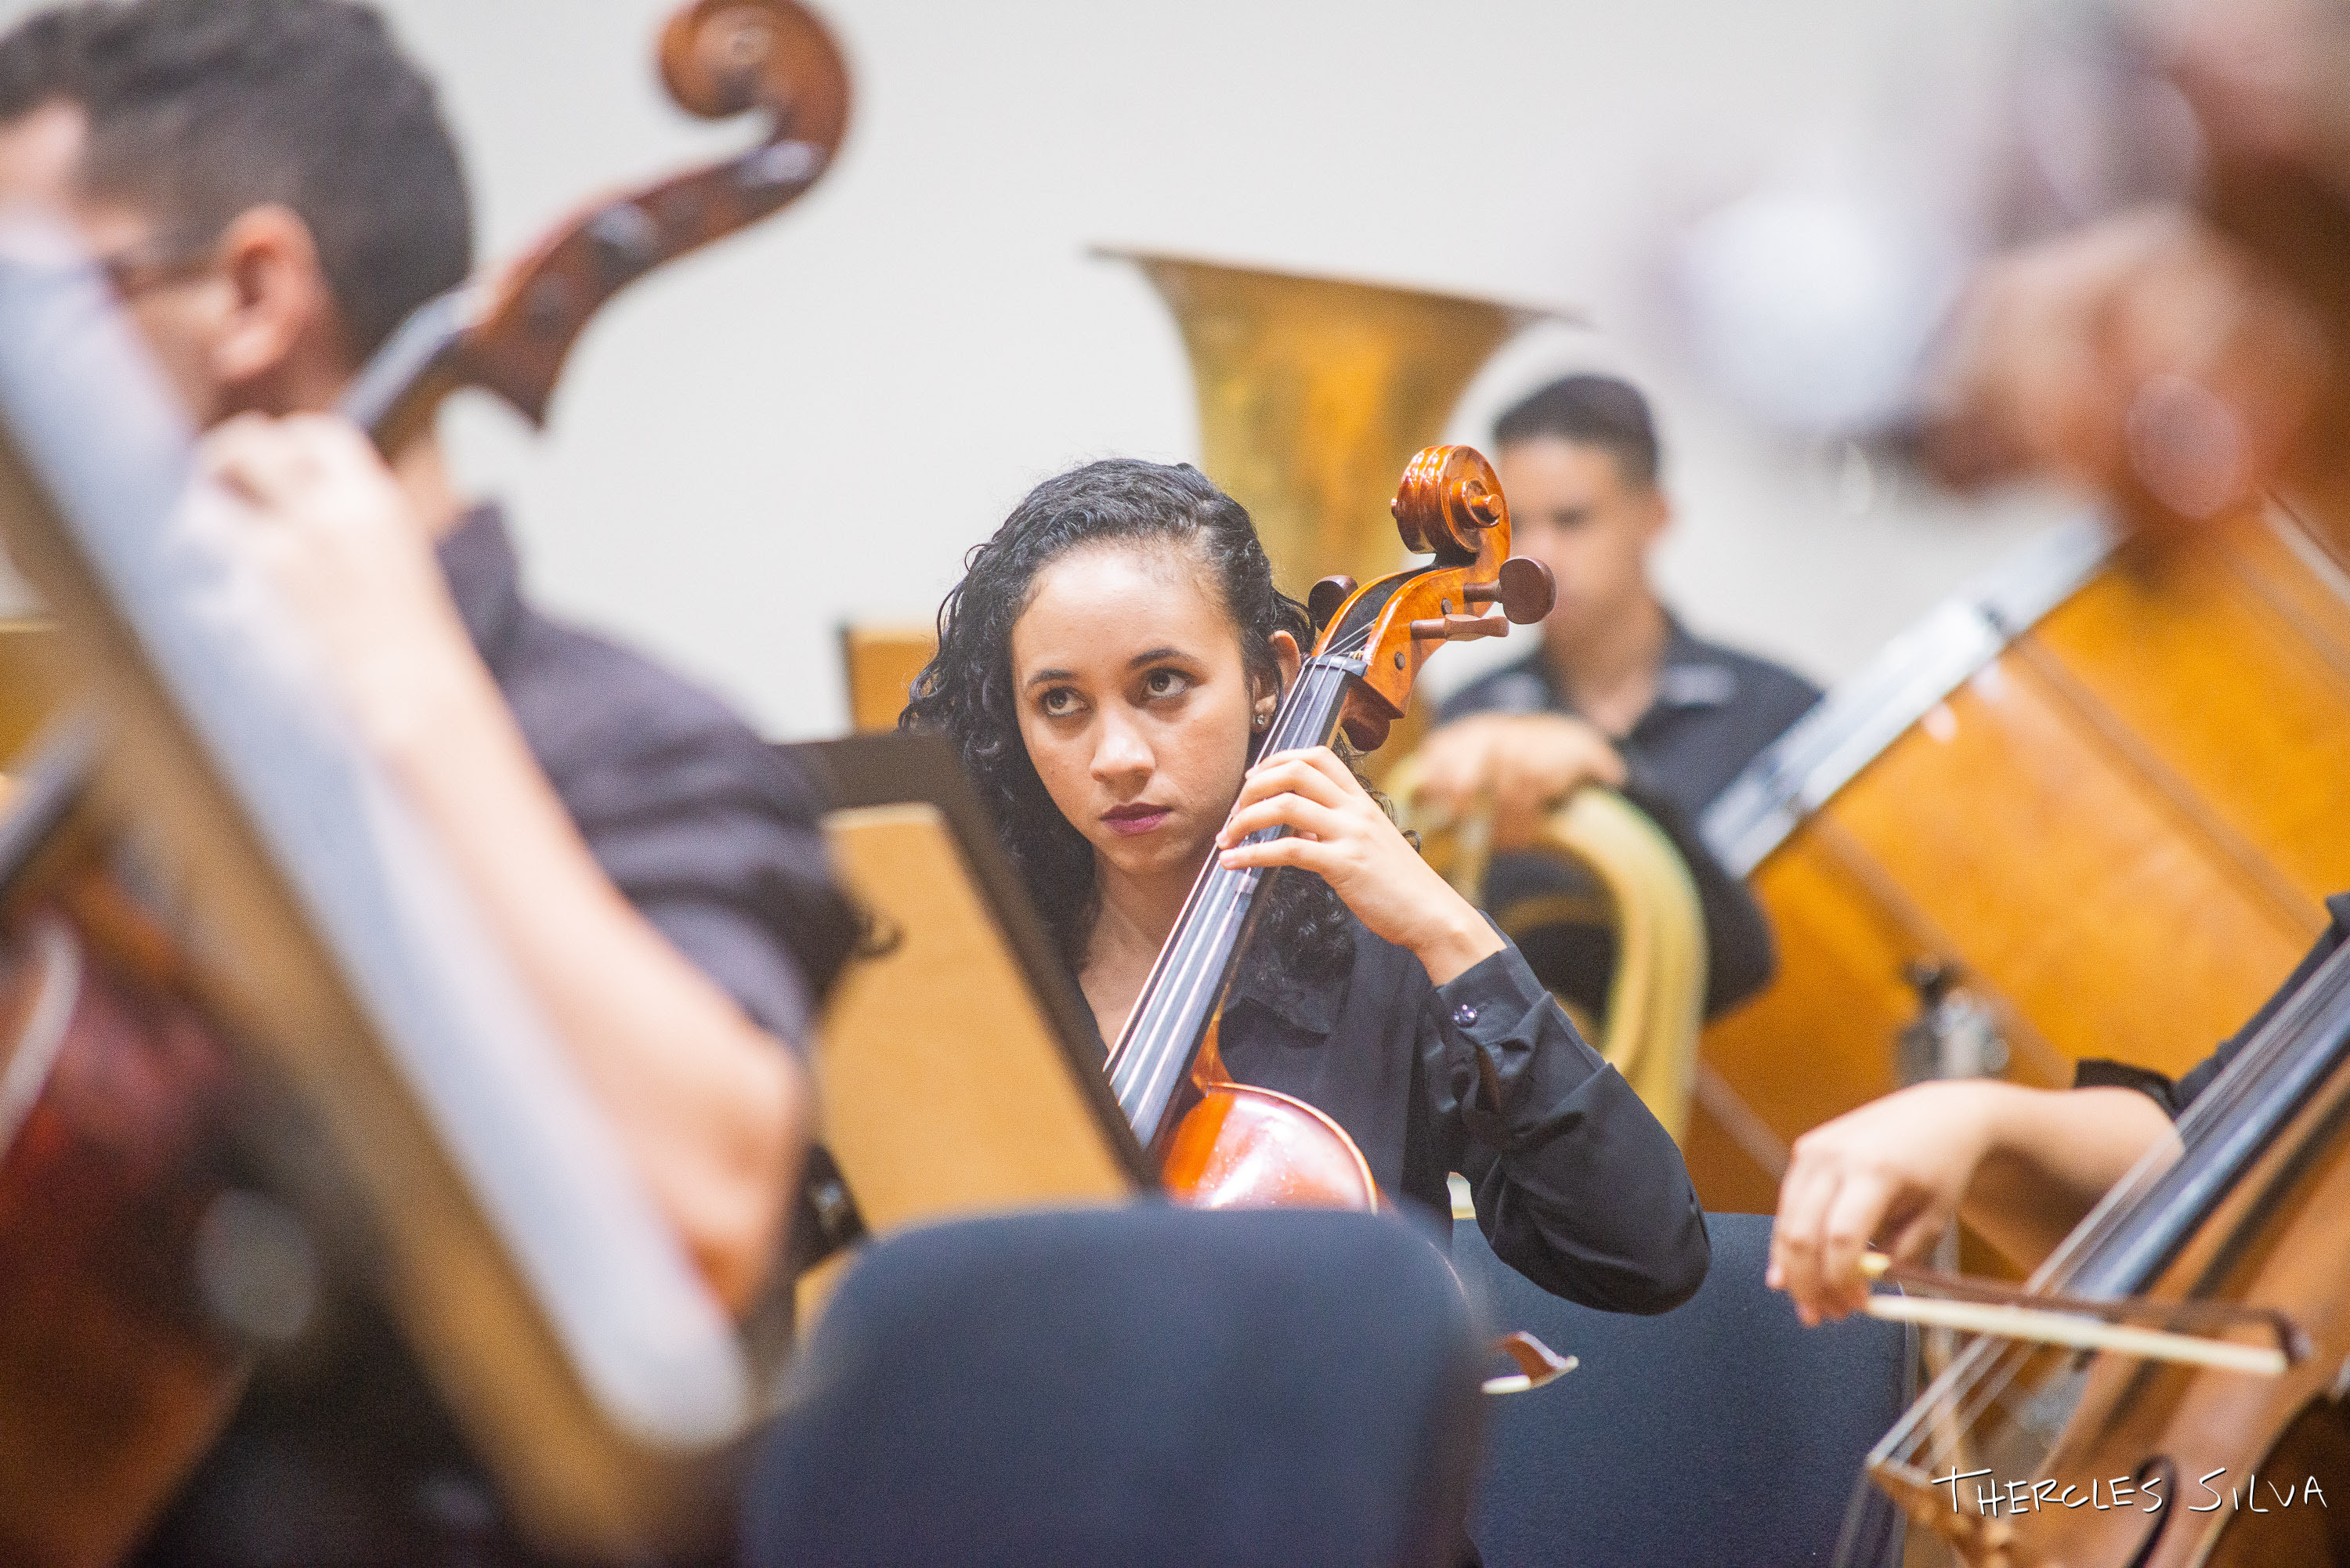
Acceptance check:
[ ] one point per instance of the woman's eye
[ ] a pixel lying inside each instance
(1059, 703)
(1166, 683)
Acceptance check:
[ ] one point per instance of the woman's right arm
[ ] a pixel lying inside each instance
(2022, 1166)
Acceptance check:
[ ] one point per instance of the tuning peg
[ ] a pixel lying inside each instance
(1457, 627)
(1523, 588)
(1367, 731)
(1324, 598)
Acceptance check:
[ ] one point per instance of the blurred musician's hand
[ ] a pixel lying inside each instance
(2148, 357)
(335, 534)
(1529, 761)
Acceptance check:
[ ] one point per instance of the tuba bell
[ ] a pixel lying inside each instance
(1313, 392)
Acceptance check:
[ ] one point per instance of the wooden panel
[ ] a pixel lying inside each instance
(2067, 882)
(881, 663)
(2095, 911)
(2123, 830)
(1820, 1040)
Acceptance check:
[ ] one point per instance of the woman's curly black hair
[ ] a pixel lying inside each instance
(965, 693)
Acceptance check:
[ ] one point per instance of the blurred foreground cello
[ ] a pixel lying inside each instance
(128, 1266)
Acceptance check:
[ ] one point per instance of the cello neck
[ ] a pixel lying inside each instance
(1185, 990)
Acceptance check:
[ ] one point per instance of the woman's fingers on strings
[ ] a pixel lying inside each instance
(1299, 772)
(1288, 809)
(1324, 761)
(1301, 853)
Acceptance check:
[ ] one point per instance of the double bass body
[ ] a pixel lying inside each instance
(2055, 789)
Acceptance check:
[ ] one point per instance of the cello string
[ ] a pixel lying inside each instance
(1187, 961)
(1149, 1048)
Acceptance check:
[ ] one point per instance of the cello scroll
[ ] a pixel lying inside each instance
(1449, 504)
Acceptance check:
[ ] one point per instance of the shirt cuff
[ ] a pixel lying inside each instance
(1486, 1000)
(2096, 1073)
(1497, 1010)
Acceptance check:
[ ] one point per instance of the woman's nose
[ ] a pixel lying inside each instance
(1119, 750)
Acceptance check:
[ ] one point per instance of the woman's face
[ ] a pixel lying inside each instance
(1134, 701)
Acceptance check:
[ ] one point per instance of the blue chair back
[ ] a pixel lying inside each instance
(1137, 1386)
(1722, 1434)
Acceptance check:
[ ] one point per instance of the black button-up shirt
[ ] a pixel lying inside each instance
(1578, 1186)
(1715, 709)
(346, 1457)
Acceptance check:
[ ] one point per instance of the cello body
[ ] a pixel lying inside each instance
(2058, 789)
(1242, 1146)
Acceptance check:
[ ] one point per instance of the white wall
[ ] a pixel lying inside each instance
(812, 423)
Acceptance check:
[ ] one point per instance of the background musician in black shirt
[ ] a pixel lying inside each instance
(1619, 693)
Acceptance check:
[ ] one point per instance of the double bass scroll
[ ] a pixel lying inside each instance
(511, 333)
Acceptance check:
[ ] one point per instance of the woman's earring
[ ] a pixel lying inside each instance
(1261, 719)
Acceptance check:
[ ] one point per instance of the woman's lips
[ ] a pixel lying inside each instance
(1130, 820)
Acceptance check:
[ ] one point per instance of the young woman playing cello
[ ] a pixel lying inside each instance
(1106, 668)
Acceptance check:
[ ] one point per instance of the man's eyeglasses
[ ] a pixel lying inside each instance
(155, 262)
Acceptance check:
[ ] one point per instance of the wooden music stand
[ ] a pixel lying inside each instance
(958, 1067)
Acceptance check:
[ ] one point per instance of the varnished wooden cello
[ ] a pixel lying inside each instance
(116, 1364)
(1222, 1144)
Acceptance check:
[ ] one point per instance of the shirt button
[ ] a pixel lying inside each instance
(1464, 1015)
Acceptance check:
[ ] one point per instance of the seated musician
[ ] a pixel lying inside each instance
(271, 187)
(1106, 669)
(1619, 693)
(2067, 354)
